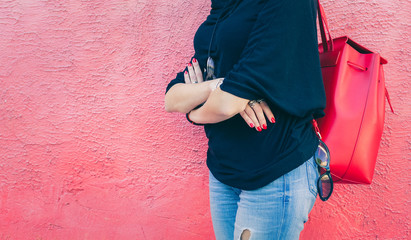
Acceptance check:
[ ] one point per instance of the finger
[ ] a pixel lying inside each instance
(247, 119)
(251, 114)
(191, 73)
(267, 111)
(186, 77)
(197, 70)
(260, 115)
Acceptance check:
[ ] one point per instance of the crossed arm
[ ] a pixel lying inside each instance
(218, 105)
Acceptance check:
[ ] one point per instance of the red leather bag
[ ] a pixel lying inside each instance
(355, 90)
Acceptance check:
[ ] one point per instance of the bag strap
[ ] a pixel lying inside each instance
(322, 21)
(316, 128)
(388, 98)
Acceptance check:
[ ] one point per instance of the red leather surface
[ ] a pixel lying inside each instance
(355, 107)
(355, 88)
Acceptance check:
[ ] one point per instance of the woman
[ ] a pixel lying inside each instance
(261, 57)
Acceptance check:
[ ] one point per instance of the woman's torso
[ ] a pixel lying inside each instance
(239, 155)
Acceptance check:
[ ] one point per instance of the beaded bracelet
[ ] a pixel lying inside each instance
(189, 120)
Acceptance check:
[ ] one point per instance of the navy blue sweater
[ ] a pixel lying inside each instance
(264, 49)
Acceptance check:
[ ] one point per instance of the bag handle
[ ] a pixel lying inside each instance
(322, 21)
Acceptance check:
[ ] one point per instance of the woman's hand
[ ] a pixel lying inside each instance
(183, 97)
(254, 113)
(194, 73)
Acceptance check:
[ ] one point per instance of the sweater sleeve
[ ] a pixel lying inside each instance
(280, 62)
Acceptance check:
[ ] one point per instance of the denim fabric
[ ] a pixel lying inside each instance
(275, 211)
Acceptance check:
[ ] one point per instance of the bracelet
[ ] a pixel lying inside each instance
(189, 120)
(219, 83)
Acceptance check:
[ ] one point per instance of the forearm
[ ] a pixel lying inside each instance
(184, 97)
(219, 106)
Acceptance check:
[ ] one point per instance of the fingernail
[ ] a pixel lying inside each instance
(185, 72)
(189, 64)
(259, 129)
(251, 125)
(264, 126)
(194, 60)
(273, 120)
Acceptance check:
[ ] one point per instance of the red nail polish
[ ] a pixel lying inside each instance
(259, 129)
(264, 126)
(185, 72)
(273, 120)
(194, 60)
(251, 125)
(189, 64)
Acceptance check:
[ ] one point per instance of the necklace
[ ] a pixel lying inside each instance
(209, 70)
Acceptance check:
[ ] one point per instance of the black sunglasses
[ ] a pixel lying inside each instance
(324, 183)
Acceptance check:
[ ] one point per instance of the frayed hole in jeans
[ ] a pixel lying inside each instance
(245, 235)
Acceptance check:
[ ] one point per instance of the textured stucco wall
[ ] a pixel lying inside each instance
(87, 151)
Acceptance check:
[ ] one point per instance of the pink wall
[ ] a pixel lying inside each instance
(87, 151)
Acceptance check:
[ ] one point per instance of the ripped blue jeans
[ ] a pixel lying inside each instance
(275, 211)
